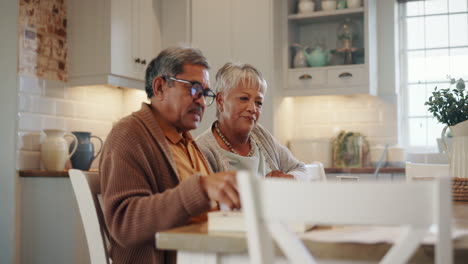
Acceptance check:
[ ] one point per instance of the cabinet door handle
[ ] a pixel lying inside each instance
(305, 77)
(137, 60)
(143, 62)
(345, 74)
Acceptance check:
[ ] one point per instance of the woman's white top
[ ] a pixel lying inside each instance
(255, 163)
(274, 155)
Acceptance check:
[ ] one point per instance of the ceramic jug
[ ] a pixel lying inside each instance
(318, 57)
(84, 154)
(459, 152)
(54, 149)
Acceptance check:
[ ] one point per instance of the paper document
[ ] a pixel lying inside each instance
(233, 221)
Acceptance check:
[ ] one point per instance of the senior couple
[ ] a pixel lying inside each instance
(154, 176)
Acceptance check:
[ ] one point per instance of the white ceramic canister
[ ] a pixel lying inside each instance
(375, 154)
(54, 149)
(305, 6)
(396, 157)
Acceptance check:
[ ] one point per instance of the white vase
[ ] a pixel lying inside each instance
(54, 149)
(459, 152)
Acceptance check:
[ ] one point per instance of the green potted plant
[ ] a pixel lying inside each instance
(449, 107)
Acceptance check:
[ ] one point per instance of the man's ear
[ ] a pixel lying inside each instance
(220, 101)
(158, 87)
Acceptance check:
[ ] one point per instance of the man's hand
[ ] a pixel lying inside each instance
(222, 187)
(279, 174)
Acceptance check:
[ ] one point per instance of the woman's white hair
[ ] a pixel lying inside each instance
(232, 74)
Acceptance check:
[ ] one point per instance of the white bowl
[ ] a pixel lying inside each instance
(328, 5)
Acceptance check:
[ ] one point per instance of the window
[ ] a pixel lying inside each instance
(434, 45)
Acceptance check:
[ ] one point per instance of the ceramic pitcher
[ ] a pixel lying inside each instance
(459, 151)
(54, 149)
(84, 154)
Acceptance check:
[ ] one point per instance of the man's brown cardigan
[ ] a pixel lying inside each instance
(141, 190)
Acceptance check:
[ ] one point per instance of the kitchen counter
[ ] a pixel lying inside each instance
(64, 173)
(43, 173)
(364, 170)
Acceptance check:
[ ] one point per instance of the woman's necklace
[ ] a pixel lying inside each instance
(224, 139)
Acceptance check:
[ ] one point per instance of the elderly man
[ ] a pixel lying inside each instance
(153, 175)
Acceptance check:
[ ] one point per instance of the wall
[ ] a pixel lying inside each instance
(325, 116)
(8, 87)
(45, 104)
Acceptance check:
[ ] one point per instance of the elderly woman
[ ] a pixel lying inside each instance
(236, 141)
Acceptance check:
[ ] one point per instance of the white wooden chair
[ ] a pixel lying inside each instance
(414, 171)
(269, 203)
(315, 171)
(86, 186)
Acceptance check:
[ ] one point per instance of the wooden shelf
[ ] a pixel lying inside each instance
(325, 15)
(43, 173)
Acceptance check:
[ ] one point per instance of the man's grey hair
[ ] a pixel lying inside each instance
(232, 74)
(170, 62)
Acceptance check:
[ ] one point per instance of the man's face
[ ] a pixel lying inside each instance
(183, 111)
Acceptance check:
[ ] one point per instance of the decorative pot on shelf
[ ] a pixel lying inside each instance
(341, 4)
(84, 154)
(318, 57)
(54, 149)
(354, 3)
(305, 6)
(299, 60)
(328, 5)
(459, 152)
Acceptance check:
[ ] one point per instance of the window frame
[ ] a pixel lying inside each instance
(403, 108)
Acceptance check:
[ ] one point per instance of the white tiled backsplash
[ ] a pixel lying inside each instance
(325, 116)
(45, 104)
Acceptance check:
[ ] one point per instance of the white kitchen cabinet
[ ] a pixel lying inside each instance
(135, 36)
(235, 31)
(112, 41)
(51, 227)
(319, 28)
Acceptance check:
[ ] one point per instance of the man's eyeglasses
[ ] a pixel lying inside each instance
(196, 90)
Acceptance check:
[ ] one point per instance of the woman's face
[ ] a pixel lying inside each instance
(240, 108)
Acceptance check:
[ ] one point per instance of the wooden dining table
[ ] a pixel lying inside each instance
(196, 245)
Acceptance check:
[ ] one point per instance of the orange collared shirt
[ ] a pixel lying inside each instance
(189, 160)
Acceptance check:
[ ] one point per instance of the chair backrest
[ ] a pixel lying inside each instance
(270, 203)
(316, 171)
(425, 170)
(86, 186)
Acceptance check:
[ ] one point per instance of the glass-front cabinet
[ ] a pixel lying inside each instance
(331, 47)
